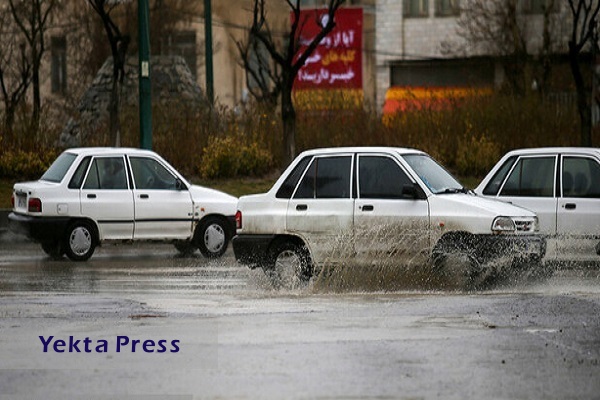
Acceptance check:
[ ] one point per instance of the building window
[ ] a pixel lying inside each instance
(416, 8)
(445, 8)
(58, 67)
(538, 6)
(183, 44)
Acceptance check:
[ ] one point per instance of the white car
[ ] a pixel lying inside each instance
(562, 186)
(371, 205)
(92, 195)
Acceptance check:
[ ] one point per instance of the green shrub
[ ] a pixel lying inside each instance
(228, 157)
(22, 165)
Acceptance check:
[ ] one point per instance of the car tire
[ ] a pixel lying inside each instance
(53, 249)
(212, 237)
(454, 259)
(185, 247)
(80, 241)
(290, 265)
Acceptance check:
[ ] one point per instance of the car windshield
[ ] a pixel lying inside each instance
(437, 179)
(59, 168)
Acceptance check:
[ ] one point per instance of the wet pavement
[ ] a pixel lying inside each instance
(161, 326)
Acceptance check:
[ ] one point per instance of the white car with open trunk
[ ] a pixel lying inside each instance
(92, 195)
(371, 205)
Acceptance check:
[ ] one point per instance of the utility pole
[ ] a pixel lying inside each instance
(145, 94)
(208, 51)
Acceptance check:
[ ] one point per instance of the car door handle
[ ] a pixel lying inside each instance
(570, 206)
(91, 196)
(301, 207)
(367, 207)
(144, 196)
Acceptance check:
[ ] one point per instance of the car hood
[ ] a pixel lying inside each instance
(204, 193)
(472, 202)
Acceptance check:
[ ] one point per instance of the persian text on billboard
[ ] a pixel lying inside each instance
(336, 63)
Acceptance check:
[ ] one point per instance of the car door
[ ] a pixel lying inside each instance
(106, 197)
(578, 214)
(163, 205)
(387, 226)
(321, 209)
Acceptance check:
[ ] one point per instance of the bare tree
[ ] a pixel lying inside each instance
(499, 28)
(288, 56)
(584, 36)
(15, 71)
(32, 18)
(263, 75)
(119, 44)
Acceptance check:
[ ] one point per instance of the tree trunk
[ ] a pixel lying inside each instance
(288, 117)
(583, 105)
(113, 109)
(35, 83)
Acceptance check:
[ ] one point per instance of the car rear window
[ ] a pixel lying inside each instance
(59, 168)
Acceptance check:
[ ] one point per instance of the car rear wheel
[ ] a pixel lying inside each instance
(80, 241)
(212, 237)
(53, 249)
(185, 247)
(290, 266)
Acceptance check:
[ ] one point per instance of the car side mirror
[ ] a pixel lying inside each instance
(412, 191)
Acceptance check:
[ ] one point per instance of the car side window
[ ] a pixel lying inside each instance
(580, 177)
(531, 177)
(287, 187)
(380, 178)
(77, 179)
(150, 174)
(326, 178)
(491, 189)
(107, 173)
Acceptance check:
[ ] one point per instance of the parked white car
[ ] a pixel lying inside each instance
(371, 205)
(92, 195)
(562, 186)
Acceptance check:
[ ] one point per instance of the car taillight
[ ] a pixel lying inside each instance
(238, 219)
(34, 205)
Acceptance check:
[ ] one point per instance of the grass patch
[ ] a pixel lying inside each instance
(239, 186)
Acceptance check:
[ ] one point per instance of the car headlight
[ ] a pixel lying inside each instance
(503, 224)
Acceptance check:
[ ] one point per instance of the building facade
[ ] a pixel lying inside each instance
(405, 44)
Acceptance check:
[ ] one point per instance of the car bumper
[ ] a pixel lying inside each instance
(251, 250)
(520, 248)
(39, 229)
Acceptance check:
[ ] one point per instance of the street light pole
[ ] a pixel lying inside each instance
(210, 93)
(144, 76)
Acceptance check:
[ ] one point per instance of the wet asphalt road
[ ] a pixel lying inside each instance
(237, 338)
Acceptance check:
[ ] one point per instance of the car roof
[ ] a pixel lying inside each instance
(86, 151)
(552, 150)
(361, 149)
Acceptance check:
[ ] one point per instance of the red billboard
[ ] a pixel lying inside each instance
(336, 63)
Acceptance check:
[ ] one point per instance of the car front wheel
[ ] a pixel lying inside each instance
(212, 237)
(79, 241)
(290, 266)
